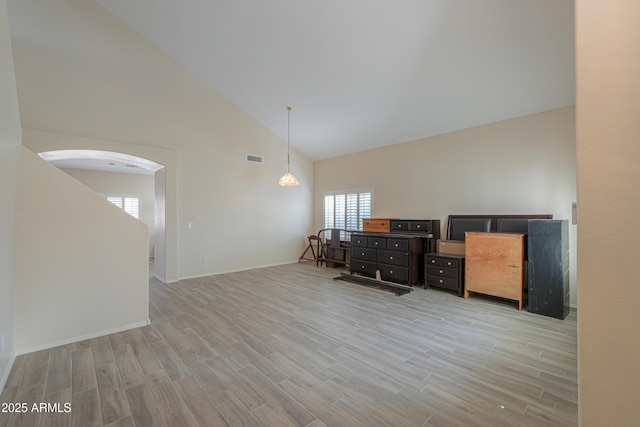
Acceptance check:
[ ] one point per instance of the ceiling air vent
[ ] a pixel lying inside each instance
(255, 159)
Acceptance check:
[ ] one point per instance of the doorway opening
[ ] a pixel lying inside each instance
(114, 162)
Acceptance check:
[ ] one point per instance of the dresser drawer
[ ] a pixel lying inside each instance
(414, 226)
(377, 242)
(443, 262)
(398, 245)
(376, 224)
(442, 272)
(394, 258)
(445, 271)
(399, 225)
(363, 267)
(361, 241)
(394, 273)
(443, 282)
(420, 226)
(366, 254)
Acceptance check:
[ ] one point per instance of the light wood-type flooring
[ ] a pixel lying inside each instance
(289, 346)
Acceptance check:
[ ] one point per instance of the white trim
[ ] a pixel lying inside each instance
(157, 276)
(83, 337)
(350, 190)
(198, 276)
(5, 376)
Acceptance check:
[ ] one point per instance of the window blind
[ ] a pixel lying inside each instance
(346, 209)
(129, 204)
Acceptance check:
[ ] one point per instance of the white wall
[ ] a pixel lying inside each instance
(608, 147)
(10, 136)
(81, 263)
(122, 184)
(133, 94)
(524, 165)
(160, 225)
(39, 141)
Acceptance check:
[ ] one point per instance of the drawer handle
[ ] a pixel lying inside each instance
(362, 267)
(397, 245)
(390, 257)
(362, 254)
(441, 271)
(418, 226)
(449, 263)
(391, 272)
(376, 243)
(441, 281)
(433, 261)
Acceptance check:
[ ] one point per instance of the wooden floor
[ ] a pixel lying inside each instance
(289, 346)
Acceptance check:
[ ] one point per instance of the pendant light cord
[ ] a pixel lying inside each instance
(288, 180)
(288, 139)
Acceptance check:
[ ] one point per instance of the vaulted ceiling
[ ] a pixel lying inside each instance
(367, 73)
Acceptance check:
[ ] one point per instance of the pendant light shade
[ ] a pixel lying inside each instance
(288, 180)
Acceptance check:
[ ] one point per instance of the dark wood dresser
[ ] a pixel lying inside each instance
(397, 257)
(445, 271)
(429, 229)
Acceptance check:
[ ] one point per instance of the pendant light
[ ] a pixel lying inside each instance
(288, 180)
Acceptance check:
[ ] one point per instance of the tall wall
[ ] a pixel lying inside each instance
(81, 263)
(122, 184)
(518, 166)
(608, 155)
(124, 90)
(165, 250)
(10, 136)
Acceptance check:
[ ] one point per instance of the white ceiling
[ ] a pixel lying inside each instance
(362, 73)
(105, 161)
(100, 165)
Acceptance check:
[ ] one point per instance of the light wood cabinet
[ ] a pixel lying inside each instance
(382, 225)
(495, 265)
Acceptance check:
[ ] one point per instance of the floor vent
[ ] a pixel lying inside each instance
(255, 159)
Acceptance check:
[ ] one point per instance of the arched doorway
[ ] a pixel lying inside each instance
(109, 161)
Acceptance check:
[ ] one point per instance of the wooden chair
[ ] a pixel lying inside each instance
(336, 249)
(313, 240)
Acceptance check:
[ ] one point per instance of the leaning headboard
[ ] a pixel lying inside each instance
(457, 225)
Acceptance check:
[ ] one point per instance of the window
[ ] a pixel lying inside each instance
(128, 204)
(346, 209)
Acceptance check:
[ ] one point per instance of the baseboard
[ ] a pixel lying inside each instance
(83, 337)
(157, 276)
(5, 375)
(238, 270)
